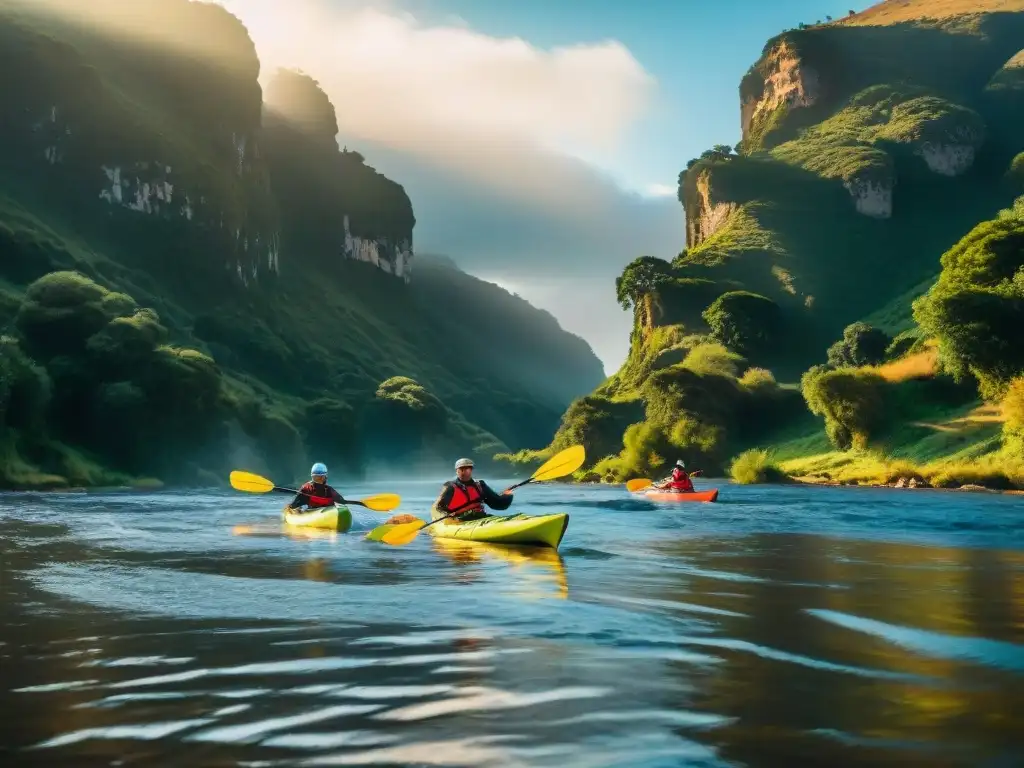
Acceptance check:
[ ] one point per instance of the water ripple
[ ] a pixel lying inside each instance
(981, 650)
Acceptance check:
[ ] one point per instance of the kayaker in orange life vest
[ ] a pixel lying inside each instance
(464, 489)
(316, 493)
(679, 481)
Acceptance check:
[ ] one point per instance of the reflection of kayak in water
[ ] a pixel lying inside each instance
(546, 559)
(279, 530)
(709, 495)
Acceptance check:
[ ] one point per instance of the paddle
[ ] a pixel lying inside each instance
(561, 464)
(250, 483)
(638, 484)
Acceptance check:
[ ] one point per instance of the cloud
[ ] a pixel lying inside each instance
(661, 190)
(411, 85)
(485, 134)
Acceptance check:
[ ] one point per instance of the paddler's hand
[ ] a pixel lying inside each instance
(507, 492)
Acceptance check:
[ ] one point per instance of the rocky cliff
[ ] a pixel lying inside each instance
(870, 146)
(194, 275)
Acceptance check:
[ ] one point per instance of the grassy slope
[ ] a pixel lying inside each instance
(901, 11)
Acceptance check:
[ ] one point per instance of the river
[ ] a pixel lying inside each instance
(781, 626)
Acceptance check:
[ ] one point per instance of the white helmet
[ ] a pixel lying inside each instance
(680, 464)
(463, 463)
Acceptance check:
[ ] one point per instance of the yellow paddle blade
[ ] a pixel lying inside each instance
(403, 534)
(247, 481)
(382, 502)
(562, 463)
(637, 484)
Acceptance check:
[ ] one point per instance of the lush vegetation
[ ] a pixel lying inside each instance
(813, 256)
(756, 465)
(173, 298)
(976, 307)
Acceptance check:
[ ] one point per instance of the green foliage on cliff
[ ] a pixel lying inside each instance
(850, 401)
(861, 345)
(746, 322)
(867, 152)
(976, 309)
(173, 286)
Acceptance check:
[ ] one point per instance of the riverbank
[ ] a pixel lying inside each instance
(960, 449)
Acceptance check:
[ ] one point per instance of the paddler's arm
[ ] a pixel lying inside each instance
(444, 498)
(498, 501)
(299, 500)
(336, 496)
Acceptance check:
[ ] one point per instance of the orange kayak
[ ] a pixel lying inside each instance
(709, 495)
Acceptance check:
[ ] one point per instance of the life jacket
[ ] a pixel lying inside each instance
(464, 494)
(315, 502)
(680, 481)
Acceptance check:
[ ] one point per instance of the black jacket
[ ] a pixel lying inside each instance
(487, 496)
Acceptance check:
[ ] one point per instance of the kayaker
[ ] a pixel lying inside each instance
(679, 480)
(464, 489)
(316, 493)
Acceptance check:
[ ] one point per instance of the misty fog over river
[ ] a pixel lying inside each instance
(780, 626)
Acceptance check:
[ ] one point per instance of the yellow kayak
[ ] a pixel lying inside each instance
(542, 530)
(333, 518)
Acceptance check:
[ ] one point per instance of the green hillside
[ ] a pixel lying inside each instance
(871, 147)
(193, 276)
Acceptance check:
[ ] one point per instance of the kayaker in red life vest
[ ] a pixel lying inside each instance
(316, 493)
(679, 481)
(464, 489)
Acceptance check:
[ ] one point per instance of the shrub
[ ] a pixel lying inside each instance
(851, 402)
(1012, 407)
(61, 310)
(758, 381)
(756, 466)
(713, 360)
(597, 424)
(743, 321)
(861, 345)
(976, 308)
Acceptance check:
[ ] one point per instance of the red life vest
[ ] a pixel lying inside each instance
(680, 481)
(464, 494)
(315, 502)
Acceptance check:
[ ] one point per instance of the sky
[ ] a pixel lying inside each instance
(540, 141)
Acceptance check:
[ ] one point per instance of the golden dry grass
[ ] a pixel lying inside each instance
(921, 365)
(983, 414)
(898, 11)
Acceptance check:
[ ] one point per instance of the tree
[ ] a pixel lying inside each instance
(641, 277)
(861, 344)
(852, 403)
(976, 308)
(743, 321)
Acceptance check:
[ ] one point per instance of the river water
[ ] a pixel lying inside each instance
(778, 627)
